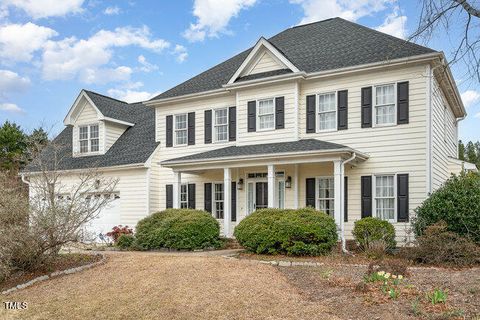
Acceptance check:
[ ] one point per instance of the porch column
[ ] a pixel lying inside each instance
(177, 183)
(271, 186)
(296, 188)
(227, 200)
(338, 179)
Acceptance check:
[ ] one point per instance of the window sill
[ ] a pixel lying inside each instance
(326, 130)
(265, 130)
(384, 125)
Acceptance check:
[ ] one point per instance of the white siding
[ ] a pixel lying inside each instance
(444, 137)
(265, 63)
(113, 131)
(87, 116)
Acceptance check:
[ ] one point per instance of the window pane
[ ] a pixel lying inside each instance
(385, 114)
(183, 196)
(181, 137)
(281, 194)
(221, 116)
(327, 120)
(385, 94)
(265, 107)
(326, 102)
(218, 200)
(326, 195)
(83, 133)
(181, 121)
(266, 122)
(386, 208)
(94, 131)
(84, 146)
(219, 192)
(221, 133)
(94, 145)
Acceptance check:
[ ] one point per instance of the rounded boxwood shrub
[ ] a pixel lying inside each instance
(457, 203)
(125, 241)
(184, 229)
(286, 231)
(369, 232)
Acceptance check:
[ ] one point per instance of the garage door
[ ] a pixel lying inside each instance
(106, 219)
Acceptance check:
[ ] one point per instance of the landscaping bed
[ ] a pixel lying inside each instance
(59, 263)
(343, 288)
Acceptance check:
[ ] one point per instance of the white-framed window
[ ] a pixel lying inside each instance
(326, 195)
(327, 111)
(281, 194)
(218, 200)
(385, 105)
(220, 125)
(384, 193)
(181, 129)
(89, 138)
(266, 114)
(184, 196)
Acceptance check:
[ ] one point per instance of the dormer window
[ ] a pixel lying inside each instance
(89, 138)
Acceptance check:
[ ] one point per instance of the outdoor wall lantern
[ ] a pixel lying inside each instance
(288, 182)
(240, 184)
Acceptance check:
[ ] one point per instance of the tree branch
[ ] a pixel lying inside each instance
(467, 7)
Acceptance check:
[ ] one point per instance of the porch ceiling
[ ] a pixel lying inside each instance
(269, 151)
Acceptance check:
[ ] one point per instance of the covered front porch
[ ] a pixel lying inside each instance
(238, 180)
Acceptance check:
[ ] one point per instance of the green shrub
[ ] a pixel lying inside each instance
(184, 229)
(125, 241)
(437, 245)
(283, 231)
(457, 203)
(374, 235)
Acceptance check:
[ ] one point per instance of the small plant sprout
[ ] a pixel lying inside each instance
(438, 296)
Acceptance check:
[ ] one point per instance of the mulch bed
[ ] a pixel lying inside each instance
(62, 262)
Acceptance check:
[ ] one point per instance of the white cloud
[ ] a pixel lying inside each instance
(89, 59)
(45, 8)
(11, 107)
(470, 97)
(111, 11)
(11, 82)
(130, 96)
(394, 25)
(146, 66)
(18, 42)
(315, 10)
(181, 53)
(213, 17)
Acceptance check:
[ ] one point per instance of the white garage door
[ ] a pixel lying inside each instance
(106, 219)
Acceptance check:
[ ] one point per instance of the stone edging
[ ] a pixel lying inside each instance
(54, 275)
(286, 263)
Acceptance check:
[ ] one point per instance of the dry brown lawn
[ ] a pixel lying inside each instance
(137, 285)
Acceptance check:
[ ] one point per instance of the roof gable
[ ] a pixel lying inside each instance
(325, 45)
(263, 50)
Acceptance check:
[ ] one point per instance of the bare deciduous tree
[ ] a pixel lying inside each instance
(458, 19)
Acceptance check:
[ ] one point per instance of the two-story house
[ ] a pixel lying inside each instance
(332, 115)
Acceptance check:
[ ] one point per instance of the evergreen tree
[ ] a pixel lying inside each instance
(36, 141)
(13, 144)
(461, 150)
(471, 153)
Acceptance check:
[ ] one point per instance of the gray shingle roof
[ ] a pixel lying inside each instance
(235, 152)
(134, 146)
(324, 45)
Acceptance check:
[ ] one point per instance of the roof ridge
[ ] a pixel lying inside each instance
(102, 95)
(314, 22)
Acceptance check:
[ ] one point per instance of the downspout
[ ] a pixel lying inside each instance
(342, 218)
(24, 180)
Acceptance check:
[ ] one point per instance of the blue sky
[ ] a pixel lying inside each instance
(132, 50)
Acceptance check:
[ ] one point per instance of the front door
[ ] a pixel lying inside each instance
(257, 195)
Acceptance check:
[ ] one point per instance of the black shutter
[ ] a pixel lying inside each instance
(345, 200)
(402, 197)
(367, 107)
(366, 192)
(191, 128)
(191, 196)
(279, 113)
(169, 190)
(232, 124)
(207, 196)
(310, 192)
(234, 201)
(169, 126)
(252, 116)
(311, 113)
(342, 109)
(402, 102)
(208, 126)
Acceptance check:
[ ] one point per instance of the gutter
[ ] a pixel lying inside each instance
(113, 168)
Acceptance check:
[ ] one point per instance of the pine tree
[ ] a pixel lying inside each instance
(461, 150)
(471, 153)
(13, 144)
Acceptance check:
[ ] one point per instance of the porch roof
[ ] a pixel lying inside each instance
(307, 147)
